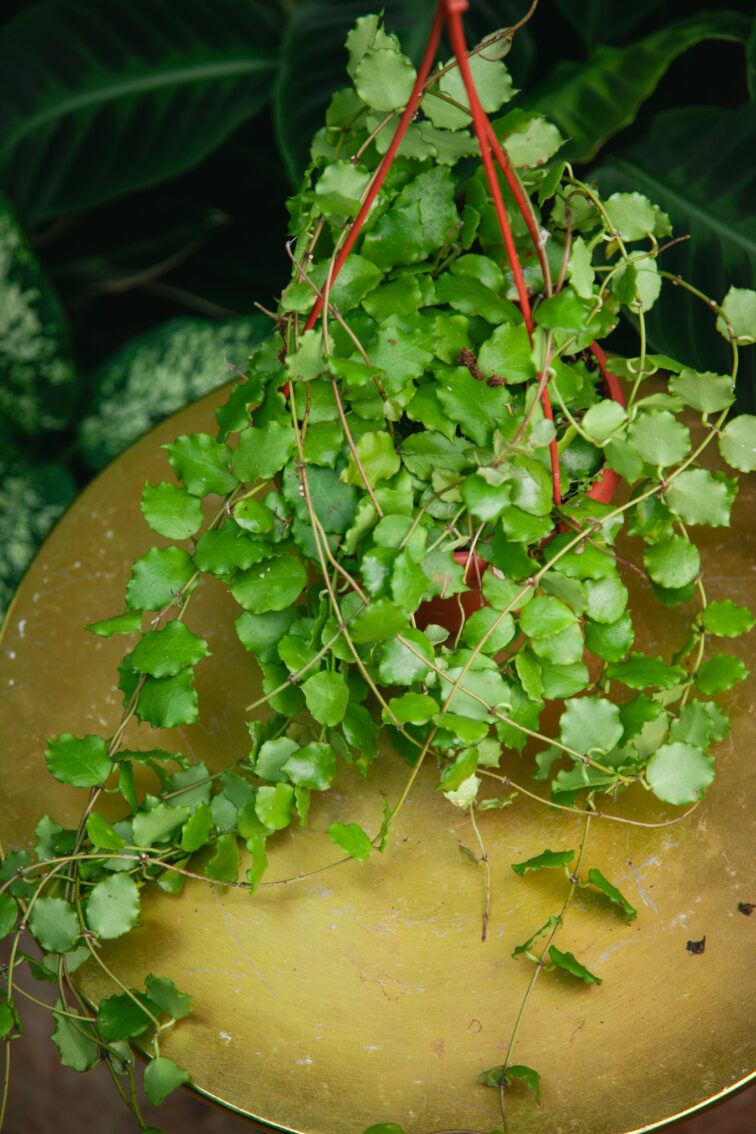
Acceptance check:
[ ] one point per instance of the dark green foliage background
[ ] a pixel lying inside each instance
(147, 150)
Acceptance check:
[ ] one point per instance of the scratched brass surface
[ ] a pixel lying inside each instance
(364, 994)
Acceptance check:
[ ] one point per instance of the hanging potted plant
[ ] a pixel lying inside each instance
(411, 497)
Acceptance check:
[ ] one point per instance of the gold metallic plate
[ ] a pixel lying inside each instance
(363, 993)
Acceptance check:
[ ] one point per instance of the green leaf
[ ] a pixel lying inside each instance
(384, 79)
(546, 615)
(171, 511)
(719, 673)
(590, 725)
(707, 393)
(632, 215)
(81, 762)
(102, 834)
(726, 619)
(382, 620)
(168, 701)
(351, 838)
(8, 914)
(737, 442)
(313, 766)
(596, 878)
(488, 623)
(563, 312)
(161, 1076)
(378, 458)
(261, 453)
(327, 695)
(679, 772)
(526, 946)
(476, 406)
(603, 419)
(54, 924)
(507, 354)
(158, 577)
(545, 859)
(163, 992)
(261, 633)
(202, 463)
(606, 599)
(471, 297)
(11, 867)
(124, 1017)
(8, 1020)
(478, 685)
(128, 623)
(190, 786)
(273, 805)
(503, 1076)
(698, 497)
(580, 268)
(323, 443)
(158, 824)
(420, 221)
(739, 321)
(197, 828)
(333, 502)
(700, 723)
(593, 99)
(228, 550)
(659, 438)
(417, 708)
(672, 562)
(532, 144)
(492, 82)
(272, 585)
(272, 756)
(642, 672)
(224, 865)
(337, 193)
(399, 664)
(74, 1041)
(569, 963)
(166, 652)
(112, 907)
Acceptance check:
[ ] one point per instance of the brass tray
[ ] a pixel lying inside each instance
(363, 993)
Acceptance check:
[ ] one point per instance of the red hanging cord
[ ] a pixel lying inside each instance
(449, 11)
(486, 138)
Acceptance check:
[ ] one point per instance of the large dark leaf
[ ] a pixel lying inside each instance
(98, 99)
(699, 164)
(33, 494)
(595, 21)
(594, 99)
(37, 380)
(159, 372)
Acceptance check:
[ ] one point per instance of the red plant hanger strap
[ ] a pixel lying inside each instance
(449, 12)
(485, 134)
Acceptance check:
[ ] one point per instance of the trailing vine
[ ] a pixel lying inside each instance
(410, 500)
